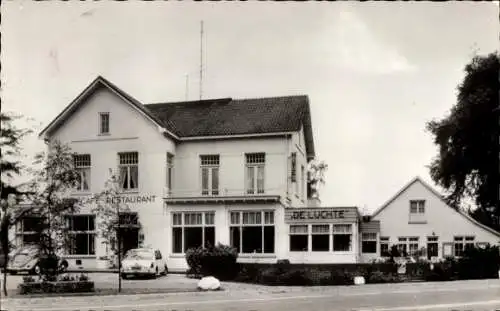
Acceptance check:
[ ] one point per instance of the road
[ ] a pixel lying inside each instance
(469, 295)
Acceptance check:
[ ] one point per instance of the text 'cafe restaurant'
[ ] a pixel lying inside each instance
(319, 235)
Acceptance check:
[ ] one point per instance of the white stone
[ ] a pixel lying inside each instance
(359, 280)
(209, 283)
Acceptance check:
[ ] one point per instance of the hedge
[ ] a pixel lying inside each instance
(56, 287)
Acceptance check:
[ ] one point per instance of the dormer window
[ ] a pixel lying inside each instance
(104, 123)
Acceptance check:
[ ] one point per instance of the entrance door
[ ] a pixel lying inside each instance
(129, 239)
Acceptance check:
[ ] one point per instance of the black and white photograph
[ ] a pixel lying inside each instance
(250, 155)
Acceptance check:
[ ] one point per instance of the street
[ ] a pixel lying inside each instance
(460, 295)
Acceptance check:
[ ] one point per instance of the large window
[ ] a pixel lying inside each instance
(104, 123)
(81, 234)
(417, 211)
(255, 165)
(28, 229)
(342, 236)
(369, 242)
(82, 166)
(320, 238)
(299, 238)
(210, 174)
(129, 170)
(192, 229)
(408, 245)
(384, 246)
(461, 243)
(432, 246)
(252, 231)
(170, 172)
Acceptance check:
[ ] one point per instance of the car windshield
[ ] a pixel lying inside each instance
(138, 254)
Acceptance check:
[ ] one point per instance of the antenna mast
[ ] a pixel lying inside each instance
(201, 60)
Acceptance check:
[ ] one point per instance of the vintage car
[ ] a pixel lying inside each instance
(143, 262)
(27, 258)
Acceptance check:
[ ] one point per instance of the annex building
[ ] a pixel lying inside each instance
(231, 171)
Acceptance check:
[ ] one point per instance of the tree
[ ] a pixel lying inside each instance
(51, 201)
(10, 166)
(468, 140)
(315, 177)
(113, 213)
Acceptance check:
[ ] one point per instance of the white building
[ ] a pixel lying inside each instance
(417, 218)
(233, 172)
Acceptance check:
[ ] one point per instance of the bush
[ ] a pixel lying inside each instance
(381, 277)
(55, 287)
(478, 263)
(217, 261)
(443, 271)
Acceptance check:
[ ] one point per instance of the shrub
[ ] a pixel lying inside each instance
(218, 261)
(55, 287)
(478, 263)
(295, 277)
(381, 277)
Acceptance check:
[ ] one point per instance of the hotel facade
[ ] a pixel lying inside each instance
(223, 171)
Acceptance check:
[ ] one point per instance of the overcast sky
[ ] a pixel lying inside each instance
(374, 72)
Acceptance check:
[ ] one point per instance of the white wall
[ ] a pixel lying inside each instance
(442, 220)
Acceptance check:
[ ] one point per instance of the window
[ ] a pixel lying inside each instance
(129, 170)
(255, 164)
(29, 228)
(82, 165)
(384, 247)
(170, 172)
(104, 123)
(342, 235)
(293, 169)
(417, 206)
(252, 231)
(407, 245)
(302, 182)
(192, 229)
(209, 174)
(299, 238)
(432, 247)
(320, 238)
(81, 233)
(461, 243)
(369, 242)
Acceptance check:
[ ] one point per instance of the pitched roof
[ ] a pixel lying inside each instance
(227, 116)
(437, 194)
(212, 117)
(98, 83)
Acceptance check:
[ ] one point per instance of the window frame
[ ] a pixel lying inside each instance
(384, 241)
(84, 168)
(90, 233)
(417, 207)
(204, 224)
(302, 234)
(103, 121)
(169, 178)
(210, 162)
(265, 215)
(255, 162)
(369, 239)
(128, 167)
(433, 240)
(337, 233)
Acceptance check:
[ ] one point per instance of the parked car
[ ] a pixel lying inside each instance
(27, 259)
(143, 262)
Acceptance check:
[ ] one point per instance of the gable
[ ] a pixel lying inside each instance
(83, 122)
(438, 215)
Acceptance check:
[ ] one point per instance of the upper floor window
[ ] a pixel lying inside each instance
(210, 174)
(104, 123)
(170, 172)
(417, 207)
(82, 165)
(129, 170)
(293, 167)
(302, 182)
(255, 163)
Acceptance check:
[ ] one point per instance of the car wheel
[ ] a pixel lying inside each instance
(35, 270)
(63, 266)
(124, 276)
(12, 272)
(165, 271)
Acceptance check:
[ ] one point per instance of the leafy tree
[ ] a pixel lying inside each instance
(315, 177)
(52, 184)
(468, 141)
(112, 213)
(10, 150)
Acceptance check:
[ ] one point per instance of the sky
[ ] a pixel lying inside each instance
(375, 72)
